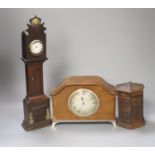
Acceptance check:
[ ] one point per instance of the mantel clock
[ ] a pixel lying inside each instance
(36, 103)
(83, 99)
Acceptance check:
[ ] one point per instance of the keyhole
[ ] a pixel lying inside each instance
(32, 79)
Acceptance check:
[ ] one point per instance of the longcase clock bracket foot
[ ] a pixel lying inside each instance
(36, 126)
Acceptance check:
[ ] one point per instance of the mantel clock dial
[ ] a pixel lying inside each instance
(83, 102)
(36, 103)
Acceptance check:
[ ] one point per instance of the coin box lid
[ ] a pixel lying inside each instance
(130, 87)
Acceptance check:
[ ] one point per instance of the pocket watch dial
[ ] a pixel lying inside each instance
(36, 47)
(83, 102)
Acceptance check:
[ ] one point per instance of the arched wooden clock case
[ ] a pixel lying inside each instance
(62, 93)
(36, 103)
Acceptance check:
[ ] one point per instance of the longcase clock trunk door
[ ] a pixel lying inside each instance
(34, 79)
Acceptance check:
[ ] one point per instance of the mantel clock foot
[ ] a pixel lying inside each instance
(114, 123)
(53, 125)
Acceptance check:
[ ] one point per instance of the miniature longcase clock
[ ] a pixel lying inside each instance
(83, 99)
(36, 104)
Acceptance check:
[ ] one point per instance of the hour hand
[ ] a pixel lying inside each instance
(83, 103)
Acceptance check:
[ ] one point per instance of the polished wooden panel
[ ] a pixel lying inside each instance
(34, 78)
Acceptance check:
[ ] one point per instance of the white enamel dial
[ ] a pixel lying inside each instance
(83, 102)
(36, 47)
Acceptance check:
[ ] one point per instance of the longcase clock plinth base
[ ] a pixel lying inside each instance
(28, 127)
(36, 112)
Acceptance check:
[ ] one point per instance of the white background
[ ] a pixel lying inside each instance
(116, 44)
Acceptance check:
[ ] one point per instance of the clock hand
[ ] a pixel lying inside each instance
(81, 108)
(83, 103)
